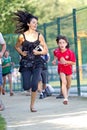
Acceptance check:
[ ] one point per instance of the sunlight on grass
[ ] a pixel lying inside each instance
(74, 83)
(2, 123)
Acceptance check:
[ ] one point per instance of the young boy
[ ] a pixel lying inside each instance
(3, 48)
(66, 58)
(6, 71)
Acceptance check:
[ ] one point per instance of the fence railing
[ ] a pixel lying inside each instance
(74, 26)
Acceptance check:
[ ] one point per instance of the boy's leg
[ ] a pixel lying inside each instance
(34, 83)
(68, 78)
(4, 83)
(64, 87)
(10, 84)
(60, 95)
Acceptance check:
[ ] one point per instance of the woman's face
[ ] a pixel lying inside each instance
(33, 24)
(62, 44)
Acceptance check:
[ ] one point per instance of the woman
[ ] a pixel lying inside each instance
(66, 58)
(31, 63)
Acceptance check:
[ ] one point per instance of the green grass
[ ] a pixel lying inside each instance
(2, 123)
(73, 83)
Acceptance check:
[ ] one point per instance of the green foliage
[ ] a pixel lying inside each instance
(46, 11)
(8, 7)
(2, 123)
(84, 50)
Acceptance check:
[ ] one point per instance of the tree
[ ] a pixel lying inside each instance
(46, 11)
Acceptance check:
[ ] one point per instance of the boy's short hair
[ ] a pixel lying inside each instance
(64, 38)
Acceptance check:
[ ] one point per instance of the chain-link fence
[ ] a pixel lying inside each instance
(74, 27)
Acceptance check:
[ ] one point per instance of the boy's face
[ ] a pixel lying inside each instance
(6, 53)
(62, 44)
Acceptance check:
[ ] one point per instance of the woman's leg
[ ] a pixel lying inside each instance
(43, 82)
(26, 79)
(44, 78)
(35, 78)
(40, 84)
(33, 98)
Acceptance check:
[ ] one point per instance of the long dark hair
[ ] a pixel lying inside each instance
(22, 18)
(64, 38)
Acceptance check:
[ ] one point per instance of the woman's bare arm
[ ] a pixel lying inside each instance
(19, 44)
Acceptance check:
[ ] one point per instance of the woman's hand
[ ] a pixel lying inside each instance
(35, 52)
(24, 53)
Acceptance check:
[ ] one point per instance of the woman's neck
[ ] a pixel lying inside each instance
(31, 31)
(31, 35)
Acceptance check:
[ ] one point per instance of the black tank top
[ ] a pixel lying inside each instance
(28, 47)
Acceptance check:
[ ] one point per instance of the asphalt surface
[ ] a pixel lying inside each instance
(52, 114)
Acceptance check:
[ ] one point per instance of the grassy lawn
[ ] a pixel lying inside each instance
(73, 83)
(17, 86)
(2, 123)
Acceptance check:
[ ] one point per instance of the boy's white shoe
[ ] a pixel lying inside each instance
(65, 101)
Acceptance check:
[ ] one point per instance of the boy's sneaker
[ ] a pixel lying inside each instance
(65, 101)
(11, 93)
(44, 94)
(41, 96)
(3, 91)
(59, 96)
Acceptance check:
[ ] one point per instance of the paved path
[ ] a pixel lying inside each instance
(51, 114)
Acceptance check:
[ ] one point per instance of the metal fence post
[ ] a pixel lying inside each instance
(58, 26)
(76, 50)
(44, 27)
